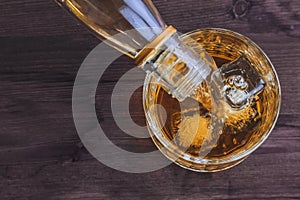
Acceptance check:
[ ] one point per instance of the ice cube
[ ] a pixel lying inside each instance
(240, 82)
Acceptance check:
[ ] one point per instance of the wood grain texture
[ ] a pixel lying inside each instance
(41, 156)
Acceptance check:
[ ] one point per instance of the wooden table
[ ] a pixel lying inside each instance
(41, 156)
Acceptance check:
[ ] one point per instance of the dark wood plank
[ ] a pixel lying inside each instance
(41, 156)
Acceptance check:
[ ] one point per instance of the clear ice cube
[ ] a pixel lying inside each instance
(239, 82)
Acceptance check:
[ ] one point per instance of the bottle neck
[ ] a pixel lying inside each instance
(179, 68)
(151, 50)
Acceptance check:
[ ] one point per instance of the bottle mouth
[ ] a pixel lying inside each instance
(178, 67)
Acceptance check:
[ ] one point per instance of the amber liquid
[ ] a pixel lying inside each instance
(191, 127)
(181, 124)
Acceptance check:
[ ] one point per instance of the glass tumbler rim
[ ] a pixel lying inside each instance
(240, 156)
